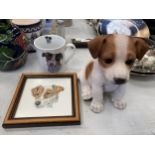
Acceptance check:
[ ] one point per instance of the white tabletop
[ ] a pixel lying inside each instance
(137, 118)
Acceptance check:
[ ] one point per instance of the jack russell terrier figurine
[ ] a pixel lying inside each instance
(113, 56)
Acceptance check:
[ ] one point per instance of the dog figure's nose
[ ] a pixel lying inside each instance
(119, 80)
(37, 103)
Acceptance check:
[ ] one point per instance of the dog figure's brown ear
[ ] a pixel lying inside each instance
(141, 47)
(95, 45)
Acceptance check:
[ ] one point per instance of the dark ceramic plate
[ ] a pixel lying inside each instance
(146, 66)
(142, 73)
(132, 27)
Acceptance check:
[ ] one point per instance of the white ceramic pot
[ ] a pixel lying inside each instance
(52, 52)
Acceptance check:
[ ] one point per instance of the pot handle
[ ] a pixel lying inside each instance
(72, 46)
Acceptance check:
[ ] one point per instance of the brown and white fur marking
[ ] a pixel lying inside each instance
(46, 95)
(113, 56)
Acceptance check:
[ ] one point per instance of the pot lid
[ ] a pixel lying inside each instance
(49, 42)
(25, 21)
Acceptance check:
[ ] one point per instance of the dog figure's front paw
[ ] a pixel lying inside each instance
(96, 106)
(119, 104)
(86, 93)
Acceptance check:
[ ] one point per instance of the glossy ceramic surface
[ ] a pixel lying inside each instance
(12, 46)
(51, 52)
(32, 28)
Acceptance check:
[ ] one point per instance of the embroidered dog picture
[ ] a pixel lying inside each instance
(46, 95)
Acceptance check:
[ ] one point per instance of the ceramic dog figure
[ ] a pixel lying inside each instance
(113, 56)
(46, 95)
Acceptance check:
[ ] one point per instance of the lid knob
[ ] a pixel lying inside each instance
(48, 39)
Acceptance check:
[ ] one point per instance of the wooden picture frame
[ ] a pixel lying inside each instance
(12, 121)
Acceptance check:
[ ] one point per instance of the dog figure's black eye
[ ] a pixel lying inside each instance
(108, 61)
(129, 62)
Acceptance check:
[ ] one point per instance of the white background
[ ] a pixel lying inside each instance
(77, 145)
(63, 107)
